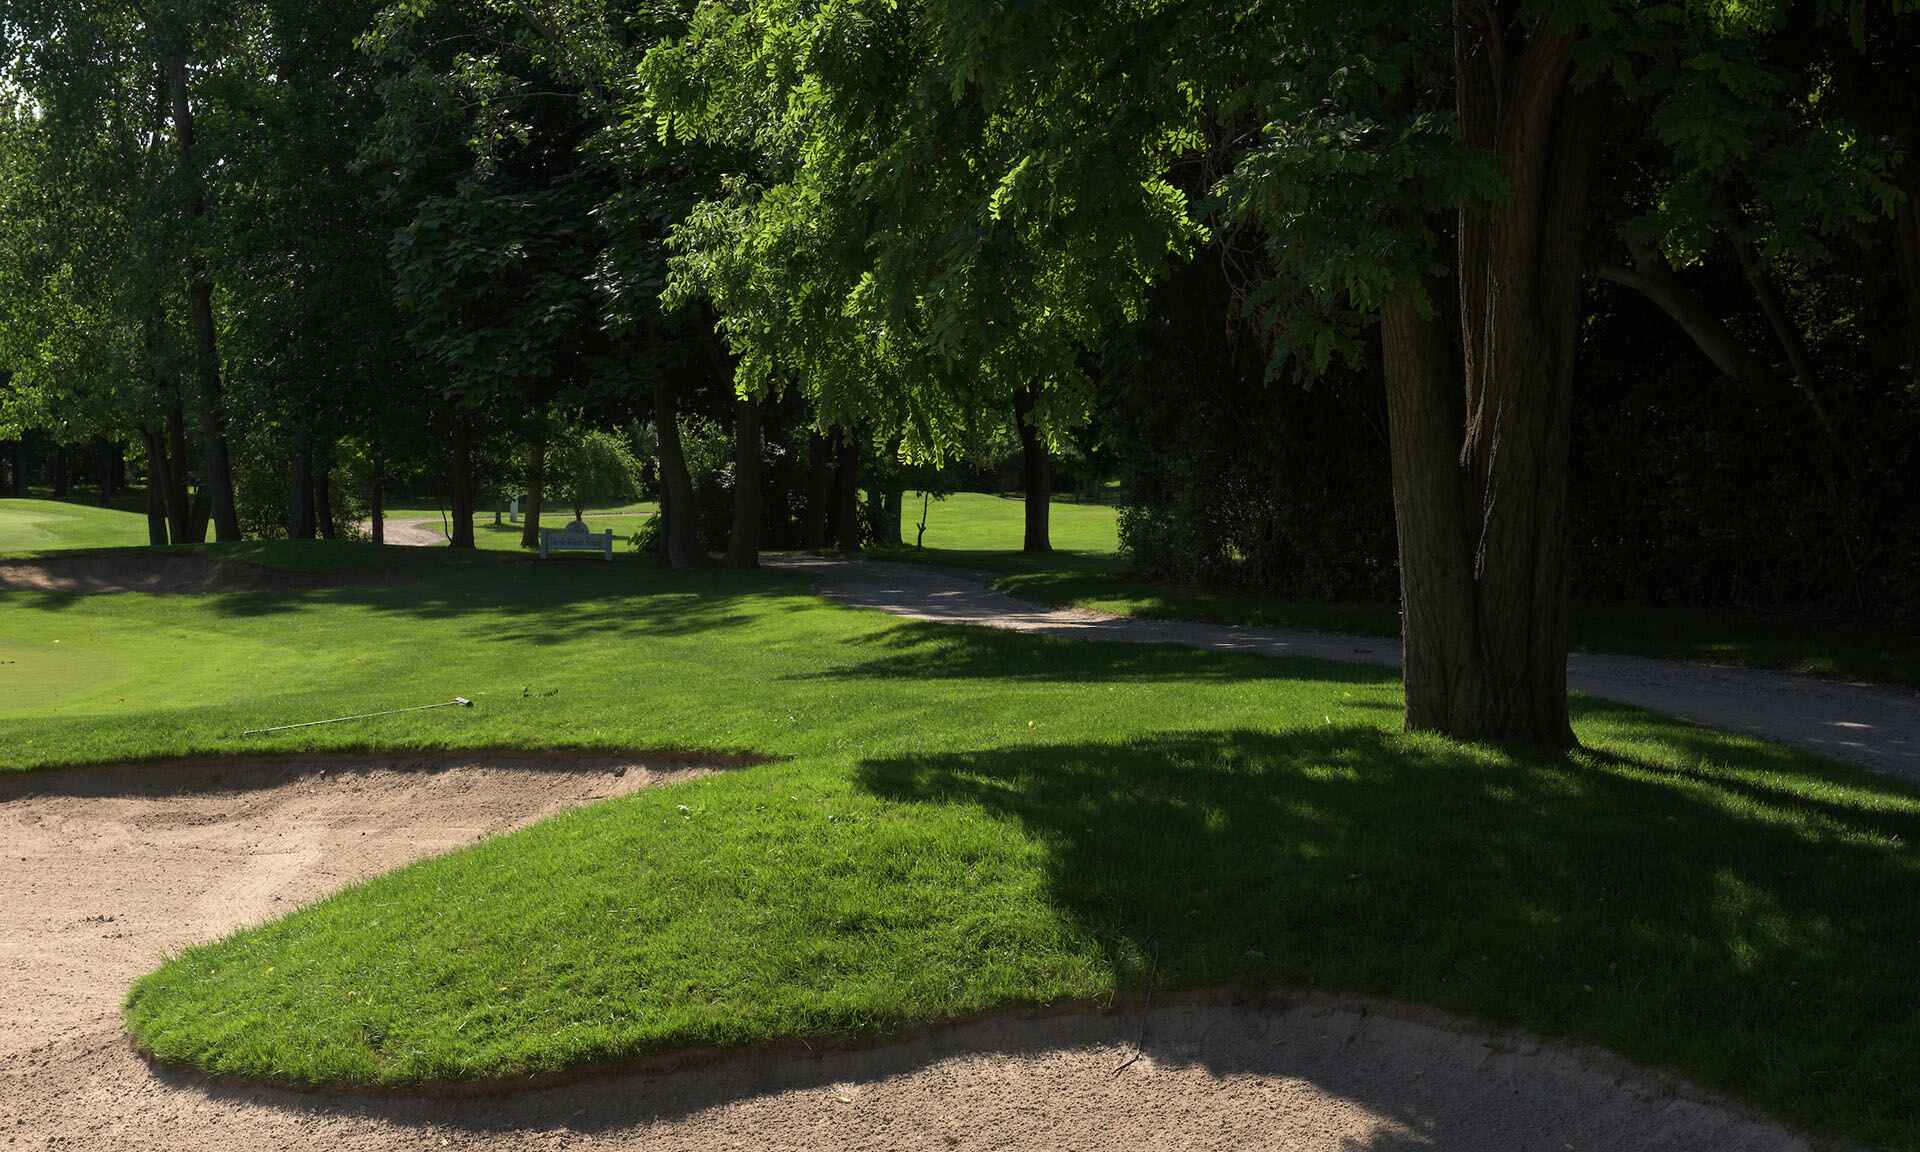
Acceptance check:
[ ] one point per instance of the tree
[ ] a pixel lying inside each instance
(591, 467)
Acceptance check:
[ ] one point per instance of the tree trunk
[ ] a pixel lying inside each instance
(106, 459)
(1907, 222)
(323, 494)
(199, 514)
(676, 486)
(219, 473)
(888, 503)
(156, 486)
(1036, 472)
(300, 491)
(536, 484)
(820, 453)
(179, 508)
(59, 469)
(460, 483)
(1480, 459)
(846, 511)
(20, 467)
(377, 500)
(743, 542)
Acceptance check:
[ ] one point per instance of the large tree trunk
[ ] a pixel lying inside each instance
(377, 500)
(1036, 472)
(199, 514)
(156, 486)
(743, 542)
(676, 486)
(106, 455)
(20, 467)
(300, 490)
(820, 453)
(219, 468)
(1480, 458)
(461, 482)
(58, 467)
(187, 528)
(1907, 223)
(846, 504)
(536, 483)
(323, 493)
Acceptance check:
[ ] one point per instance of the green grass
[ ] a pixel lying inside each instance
(625, 519)
(981, 522)
(971, 530)
(960, 820)
(42, 525)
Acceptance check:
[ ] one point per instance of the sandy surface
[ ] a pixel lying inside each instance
(414, 533)
(1875, 727)
(110, 869)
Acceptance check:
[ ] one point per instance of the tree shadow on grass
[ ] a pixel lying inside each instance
(526, 602)
(922, 650)
(521, 600)
(1761, 945)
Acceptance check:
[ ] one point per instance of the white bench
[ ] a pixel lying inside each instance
(575, 538)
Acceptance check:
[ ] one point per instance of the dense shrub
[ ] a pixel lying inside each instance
(1687, 488)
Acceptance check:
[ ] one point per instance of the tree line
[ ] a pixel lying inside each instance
(1382, 297)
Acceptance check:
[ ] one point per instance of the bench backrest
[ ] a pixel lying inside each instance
(575, 539)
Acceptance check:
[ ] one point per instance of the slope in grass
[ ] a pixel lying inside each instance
(967, 819)
(39, 525)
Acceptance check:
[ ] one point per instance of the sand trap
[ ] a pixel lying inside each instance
(154, 572)
(110, 869)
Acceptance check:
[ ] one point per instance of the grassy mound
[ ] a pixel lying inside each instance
(968, 819)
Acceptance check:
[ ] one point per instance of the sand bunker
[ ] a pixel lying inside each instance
(110, 869)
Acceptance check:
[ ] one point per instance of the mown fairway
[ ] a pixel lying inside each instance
(37, 525)
(957, 820)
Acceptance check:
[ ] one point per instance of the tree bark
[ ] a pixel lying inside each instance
(20, 467)
(58, 468)
(156, 499)
(885, 503)
(1480, 460)
(323, 493)
(846, 510)
(377, 500)
(461, 483)
(199, 514)
(219, 466)
(743, 542)
(536, 483)
(676, 486)
(179, 507)
(300, 490)
(1036, 472)
(106, 456)
(1907, 223)
(820, 453)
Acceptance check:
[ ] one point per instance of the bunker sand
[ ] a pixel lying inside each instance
(113, 868)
